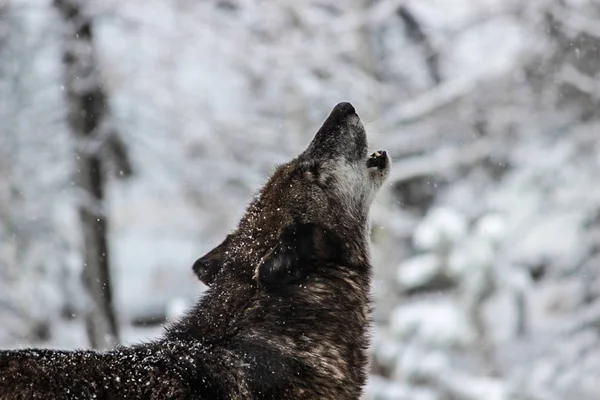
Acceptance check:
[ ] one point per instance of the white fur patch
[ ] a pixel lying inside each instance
(354, 185)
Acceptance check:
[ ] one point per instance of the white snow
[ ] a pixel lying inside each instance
(435, 323)
(418, 270)
(442, 226)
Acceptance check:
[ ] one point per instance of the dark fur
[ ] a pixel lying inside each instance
(287, 312)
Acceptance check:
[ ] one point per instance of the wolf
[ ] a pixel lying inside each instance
(286, 314)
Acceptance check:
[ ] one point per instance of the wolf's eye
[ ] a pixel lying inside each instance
(324, 181)
(315, 171)
(319, 176)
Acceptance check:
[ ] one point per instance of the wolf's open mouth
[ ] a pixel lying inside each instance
(377, 160)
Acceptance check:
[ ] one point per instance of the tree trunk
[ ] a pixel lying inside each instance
(87, 108)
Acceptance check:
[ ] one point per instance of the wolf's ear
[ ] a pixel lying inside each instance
(290, 259)
(207, 267)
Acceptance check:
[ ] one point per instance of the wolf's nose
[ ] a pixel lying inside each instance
(344, 108)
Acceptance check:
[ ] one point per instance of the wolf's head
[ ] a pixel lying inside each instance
(313, 211)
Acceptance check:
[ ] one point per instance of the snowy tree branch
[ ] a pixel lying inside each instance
(575, 21)
(583, 83)
(442, 161)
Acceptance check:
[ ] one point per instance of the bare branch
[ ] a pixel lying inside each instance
(415, 32)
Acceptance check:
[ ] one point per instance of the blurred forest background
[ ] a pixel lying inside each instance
(134, 132)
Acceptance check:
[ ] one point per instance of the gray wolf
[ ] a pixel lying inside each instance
(286, 315)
